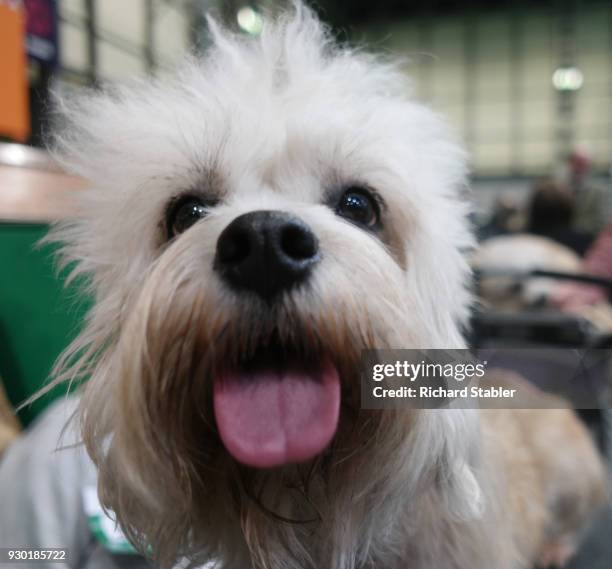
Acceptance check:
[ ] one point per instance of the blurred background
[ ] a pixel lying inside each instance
(524, 83)
(527, 86)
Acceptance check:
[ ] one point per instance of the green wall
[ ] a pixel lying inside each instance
(38, 315)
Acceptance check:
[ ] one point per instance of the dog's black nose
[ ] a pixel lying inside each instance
(266, 252)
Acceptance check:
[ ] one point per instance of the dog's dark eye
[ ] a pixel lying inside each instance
(183, 214)
(359, 206)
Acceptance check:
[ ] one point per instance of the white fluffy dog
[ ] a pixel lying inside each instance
(252, 225)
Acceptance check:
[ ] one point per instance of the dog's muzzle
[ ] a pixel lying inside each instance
(266, 252)
(280, 403)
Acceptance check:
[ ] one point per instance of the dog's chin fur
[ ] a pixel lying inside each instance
(277, 123)
(148, 423)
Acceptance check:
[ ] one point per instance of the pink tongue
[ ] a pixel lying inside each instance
(266, 419)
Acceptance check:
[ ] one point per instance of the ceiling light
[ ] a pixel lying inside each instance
(567, 79)
(249, 20)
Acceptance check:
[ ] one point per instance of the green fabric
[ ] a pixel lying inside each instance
(38, 315)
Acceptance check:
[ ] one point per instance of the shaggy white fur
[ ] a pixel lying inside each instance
(279, 122)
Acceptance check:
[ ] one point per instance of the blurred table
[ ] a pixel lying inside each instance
(33, 188)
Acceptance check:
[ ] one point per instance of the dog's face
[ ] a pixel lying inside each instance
(251, 227)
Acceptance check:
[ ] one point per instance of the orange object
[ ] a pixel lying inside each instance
(14, 103)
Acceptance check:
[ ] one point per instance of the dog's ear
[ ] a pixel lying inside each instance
(461, 492)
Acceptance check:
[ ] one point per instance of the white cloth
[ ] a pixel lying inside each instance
(42, 486)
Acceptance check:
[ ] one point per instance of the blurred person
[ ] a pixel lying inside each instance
(48, 486)
(551, 212)
(573, 297)
(589, 199)
(505, 218)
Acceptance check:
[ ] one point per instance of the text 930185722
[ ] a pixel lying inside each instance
(33, 554)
